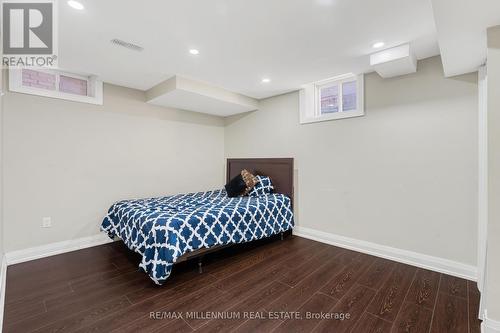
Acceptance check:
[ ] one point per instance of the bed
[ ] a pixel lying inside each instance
(171, 229)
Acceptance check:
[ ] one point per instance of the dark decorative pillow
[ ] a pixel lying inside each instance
(263, 187)
(235, 186)
(241, 184)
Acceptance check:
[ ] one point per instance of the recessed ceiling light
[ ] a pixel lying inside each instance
(266, 80)
(378, 45)
(75, 4)
(194, 51)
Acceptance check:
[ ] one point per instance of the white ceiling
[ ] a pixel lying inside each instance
(240, 41)
(461, 27)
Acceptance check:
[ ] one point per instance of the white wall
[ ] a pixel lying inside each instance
(493, 268)
(1, 157)
(405, 175)
(70, 161)
(2, 273)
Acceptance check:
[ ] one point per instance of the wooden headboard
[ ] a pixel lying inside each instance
(280, 170)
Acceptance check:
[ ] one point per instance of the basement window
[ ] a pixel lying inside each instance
(56, 84)
(335, 98)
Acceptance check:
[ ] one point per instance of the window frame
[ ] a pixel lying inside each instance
(310, 99)
(94, 86)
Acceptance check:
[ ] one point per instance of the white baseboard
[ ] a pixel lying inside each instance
(489, 325)
(15, 257)
(407, 257)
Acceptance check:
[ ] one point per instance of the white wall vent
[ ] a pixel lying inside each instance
(396, 61)
(127, 45)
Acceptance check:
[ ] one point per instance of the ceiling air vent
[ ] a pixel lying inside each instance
(127, 45)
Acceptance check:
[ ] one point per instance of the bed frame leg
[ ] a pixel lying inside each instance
(200, 269)
(281, 235)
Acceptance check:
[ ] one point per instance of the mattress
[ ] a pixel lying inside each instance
(165, 228)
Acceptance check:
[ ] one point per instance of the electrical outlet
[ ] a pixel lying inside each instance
(46, 222)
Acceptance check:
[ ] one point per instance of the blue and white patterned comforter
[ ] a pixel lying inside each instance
(163, 229)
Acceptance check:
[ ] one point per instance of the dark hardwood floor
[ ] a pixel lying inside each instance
(294, 285)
